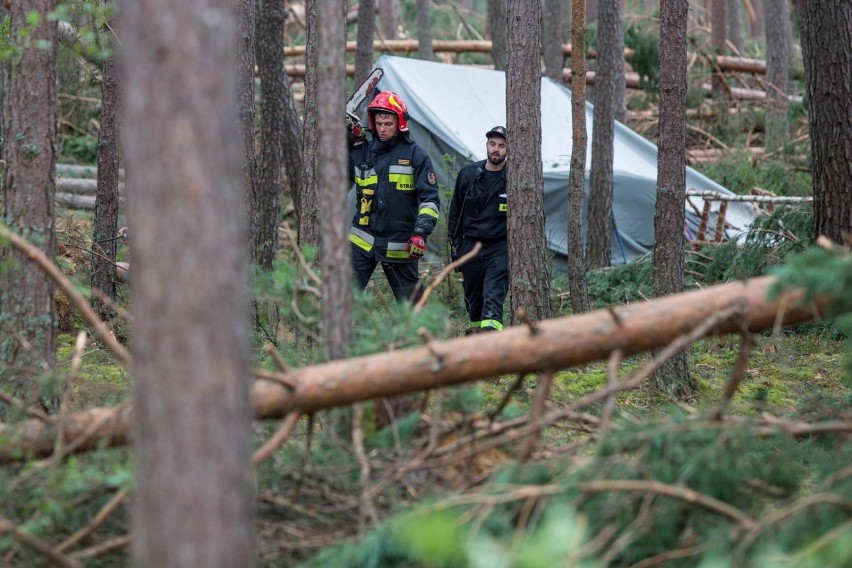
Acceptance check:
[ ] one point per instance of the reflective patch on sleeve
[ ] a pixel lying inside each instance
(503, 207)
(430, 209)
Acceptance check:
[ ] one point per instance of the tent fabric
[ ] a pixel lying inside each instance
(451, 107)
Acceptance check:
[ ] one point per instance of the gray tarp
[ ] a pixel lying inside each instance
(452, 106)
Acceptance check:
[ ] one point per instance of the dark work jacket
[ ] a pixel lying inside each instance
(474, 213)
(396, 197)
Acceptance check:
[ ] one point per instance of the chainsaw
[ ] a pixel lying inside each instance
(357, 99)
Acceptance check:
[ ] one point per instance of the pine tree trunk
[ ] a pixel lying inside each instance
(424, 31)
(335, 259)
(270, 47)
(826, 29)
(106, 198)
(194, 481)
(779, 37)
(497, 28)
(245, 88)
(27, 304)
(529, 275)
(577, 174)
(669, 214)
(551, 39)
(609, 106)
(366, 34)
(309, 230)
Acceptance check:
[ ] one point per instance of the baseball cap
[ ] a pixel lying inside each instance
(498, 131)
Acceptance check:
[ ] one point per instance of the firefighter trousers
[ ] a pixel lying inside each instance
(402, 276)
(486, 283)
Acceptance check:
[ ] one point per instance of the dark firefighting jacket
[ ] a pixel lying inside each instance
(477, 213)
(396, 197)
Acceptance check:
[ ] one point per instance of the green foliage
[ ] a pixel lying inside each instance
(739, 173)
(289, 310)
(827, 274)
(644, 40)
(79, 149)
(541, 514)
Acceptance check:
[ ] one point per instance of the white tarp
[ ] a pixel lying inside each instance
(451, 108)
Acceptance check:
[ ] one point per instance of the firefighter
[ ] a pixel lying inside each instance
(397, 200)
(478, 212)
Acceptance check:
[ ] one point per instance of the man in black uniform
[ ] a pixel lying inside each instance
(478, 213)
(397, 199)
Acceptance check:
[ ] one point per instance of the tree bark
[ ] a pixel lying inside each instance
(577, 174)
(245, 87)
(389, 17)
(529, 274)
(553, 345)
(335, 259)
(309, 230)
(826, 29)
(366, 33)
(498, 30)
(779, 38)
(734, 24)
(107, 199)
(424, 31)
(193, 438)
(270, 20)
(718, 37)
(27, 305)
(669, 214)
(609, 106)
(551, 39)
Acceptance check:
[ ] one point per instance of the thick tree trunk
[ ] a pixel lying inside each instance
(529, 275)
(718, 36)
(577, 174)
(734, 23)
(826, 27)
(193, 450)
(27, 305)
(552, 345)
(669, 213)
(389, 17)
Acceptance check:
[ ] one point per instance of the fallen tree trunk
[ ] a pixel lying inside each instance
(545, 346)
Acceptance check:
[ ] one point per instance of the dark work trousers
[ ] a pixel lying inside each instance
(402, 276)
(486, 283)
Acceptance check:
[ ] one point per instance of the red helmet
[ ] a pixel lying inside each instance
(388, 101)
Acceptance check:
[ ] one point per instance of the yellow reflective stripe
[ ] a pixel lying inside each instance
(404, 182)
(361, 239)
(429, 208)
(491, 323)
(396, 254)
(475, 323)
(503, 207)
(363, 182)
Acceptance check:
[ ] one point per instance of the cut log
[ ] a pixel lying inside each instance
(550, 345)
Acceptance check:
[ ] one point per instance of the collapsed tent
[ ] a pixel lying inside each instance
(452, 106)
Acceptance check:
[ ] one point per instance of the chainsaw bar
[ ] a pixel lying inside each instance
(363, 91)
